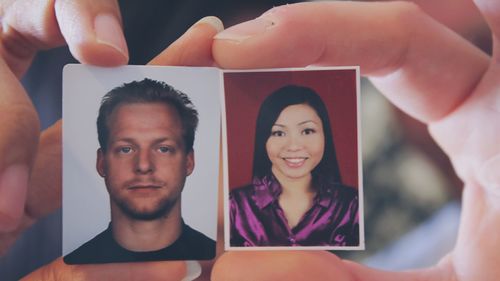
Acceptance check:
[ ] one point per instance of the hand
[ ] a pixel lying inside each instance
(422, 67)
(29, 188)
(193, 48)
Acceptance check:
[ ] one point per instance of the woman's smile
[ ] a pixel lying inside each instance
(296, 143)
(295, 162)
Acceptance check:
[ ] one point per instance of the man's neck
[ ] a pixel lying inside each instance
(141, 235)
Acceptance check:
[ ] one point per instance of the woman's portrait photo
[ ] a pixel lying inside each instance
(292, 148)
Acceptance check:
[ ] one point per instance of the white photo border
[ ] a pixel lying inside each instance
(225, 167)
(205, 178)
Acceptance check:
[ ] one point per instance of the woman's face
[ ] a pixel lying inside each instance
(297, 142)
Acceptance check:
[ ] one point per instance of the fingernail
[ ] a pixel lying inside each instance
(13, 188)
(193, 270)
(109, 32)
(246, 30)
(215, 22)
(489, 175)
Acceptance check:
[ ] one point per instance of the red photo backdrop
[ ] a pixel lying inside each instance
(244, 93)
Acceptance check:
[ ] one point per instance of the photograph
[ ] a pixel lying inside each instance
(292, 159)
(250, 140)
(140, 163)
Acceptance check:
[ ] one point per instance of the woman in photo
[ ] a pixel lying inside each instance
(296, 197)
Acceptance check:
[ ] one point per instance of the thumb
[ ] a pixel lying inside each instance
(59, 271)
(310, 265)
(194, 47)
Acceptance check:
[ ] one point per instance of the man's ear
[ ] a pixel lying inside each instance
(100, 165)
(190, 163)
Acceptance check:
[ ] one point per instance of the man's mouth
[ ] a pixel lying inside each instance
(146, 186)
(144, 190)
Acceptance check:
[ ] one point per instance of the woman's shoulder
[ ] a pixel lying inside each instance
(242, 191)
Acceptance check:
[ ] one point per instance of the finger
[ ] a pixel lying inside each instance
(284, 265)
(27, 26)
(302, 265)
(422, 67)
(44, 193)
(19, 131)
(44, 187)
(93, 31)
(7, 239)
(59, 271)
(464, 18)
(194, 48)
(442, 271)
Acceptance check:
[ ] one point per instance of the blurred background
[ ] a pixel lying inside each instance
(411, 192)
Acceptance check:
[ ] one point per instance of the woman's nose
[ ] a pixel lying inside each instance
(294, 143)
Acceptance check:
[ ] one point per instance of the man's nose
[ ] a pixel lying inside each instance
(144, 162)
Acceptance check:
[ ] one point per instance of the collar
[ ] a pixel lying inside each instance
(184, 230)
(268, 190)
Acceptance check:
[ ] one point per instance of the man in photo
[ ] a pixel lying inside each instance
(146, 132)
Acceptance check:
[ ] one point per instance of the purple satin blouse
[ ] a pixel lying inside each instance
(257, 219)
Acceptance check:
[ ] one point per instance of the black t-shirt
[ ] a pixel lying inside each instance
(191, 245)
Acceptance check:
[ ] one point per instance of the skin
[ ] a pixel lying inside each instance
(144, 166)
(421, 66)
(427, 71)
(295, 147)
(22, 144)
(29, 26)
(296, 144)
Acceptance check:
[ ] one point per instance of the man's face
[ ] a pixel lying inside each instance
(145, 164)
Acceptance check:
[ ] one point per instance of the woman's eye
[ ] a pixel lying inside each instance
(308, 131)
(277, 133)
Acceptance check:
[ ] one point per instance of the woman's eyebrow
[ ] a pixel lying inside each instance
(279, 125)
(306, 121)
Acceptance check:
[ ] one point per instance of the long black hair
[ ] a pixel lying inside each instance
(326, 173)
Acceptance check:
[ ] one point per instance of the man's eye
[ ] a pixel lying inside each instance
(164, 149)
(277, 133)
(308, 131)
(125, 149)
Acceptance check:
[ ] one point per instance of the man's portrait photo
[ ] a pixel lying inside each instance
(155, 164)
